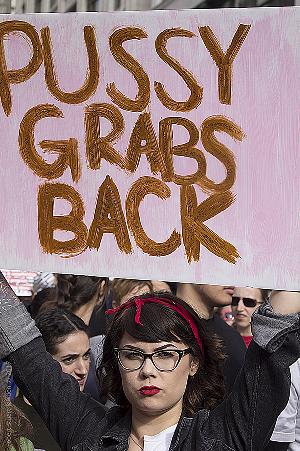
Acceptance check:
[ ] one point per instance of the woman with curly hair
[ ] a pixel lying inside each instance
(14, 427)
(163, 362)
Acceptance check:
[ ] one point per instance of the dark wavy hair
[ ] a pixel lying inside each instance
(160, 323)
(72, 291)
(56, 324)
(13, 425)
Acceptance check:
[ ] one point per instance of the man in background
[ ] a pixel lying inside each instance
(203, 299)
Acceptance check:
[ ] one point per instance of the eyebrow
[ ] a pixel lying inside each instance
(135, 348)
(67, 356)
(75, 355)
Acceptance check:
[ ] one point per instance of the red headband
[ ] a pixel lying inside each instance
(139, 302)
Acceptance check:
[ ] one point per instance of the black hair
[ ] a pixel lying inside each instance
(264, 293)
(56, 324)
(73, 291)
(161, 323)
(46, 296)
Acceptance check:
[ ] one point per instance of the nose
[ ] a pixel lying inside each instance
(82, 367)
(240, 305)
(148, 368)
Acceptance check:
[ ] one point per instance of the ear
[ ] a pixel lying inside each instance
(194, 367)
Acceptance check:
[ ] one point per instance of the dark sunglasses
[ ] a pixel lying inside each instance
(248, 302)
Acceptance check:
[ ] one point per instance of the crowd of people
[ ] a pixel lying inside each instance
(99, 364)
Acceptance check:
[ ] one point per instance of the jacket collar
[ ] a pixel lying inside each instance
(120, 432)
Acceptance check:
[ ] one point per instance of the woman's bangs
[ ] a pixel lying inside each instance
(158, 323)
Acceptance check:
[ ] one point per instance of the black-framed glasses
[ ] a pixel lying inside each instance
(163, 360)
(248, 302)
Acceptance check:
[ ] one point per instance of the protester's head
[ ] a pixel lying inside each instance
(184, 372)
(204, 298)
(66, 338)
(215, 295)
(13, 425)
(244, 303)
(78, 294)
(124, 289)
(74, 291)
(42, 300)
(44, 291)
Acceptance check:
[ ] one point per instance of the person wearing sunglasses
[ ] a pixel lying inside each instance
(244, 303)
(158, 362)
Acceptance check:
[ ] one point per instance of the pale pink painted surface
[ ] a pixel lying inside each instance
(263, 223)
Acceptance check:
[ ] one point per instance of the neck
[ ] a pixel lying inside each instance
(244, 331)
(189, 294)
(85, 311)
(147, 424)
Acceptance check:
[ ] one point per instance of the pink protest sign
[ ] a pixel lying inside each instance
(156, 145)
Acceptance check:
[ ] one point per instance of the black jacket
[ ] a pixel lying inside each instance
(243, 422)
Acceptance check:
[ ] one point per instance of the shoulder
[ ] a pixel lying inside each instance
(116, 422)
(96, 345)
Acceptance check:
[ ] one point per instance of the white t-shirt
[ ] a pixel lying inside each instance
(287, 428)
(161, 441)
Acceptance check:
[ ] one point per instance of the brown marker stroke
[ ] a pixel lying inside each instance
(195, 97)
(14, 76)
(73, 222)
(220, 124)
(126, 60)
(138, 191)
(92, 77)
(68, 149)
(224, 61)
(109, 218)
(196, 233)
(144, 131)
(97, 146)
(183, 150)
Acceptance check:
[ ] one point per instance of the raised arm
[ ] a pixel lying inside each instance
(245, 420)
(285, 302)
(69, 414)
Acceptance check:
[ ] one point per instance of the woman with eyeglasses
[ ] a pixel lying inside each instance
(155, 354)
(244, 303)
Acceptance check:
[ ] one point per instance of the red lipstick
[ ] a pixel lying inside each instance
(149, 390)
